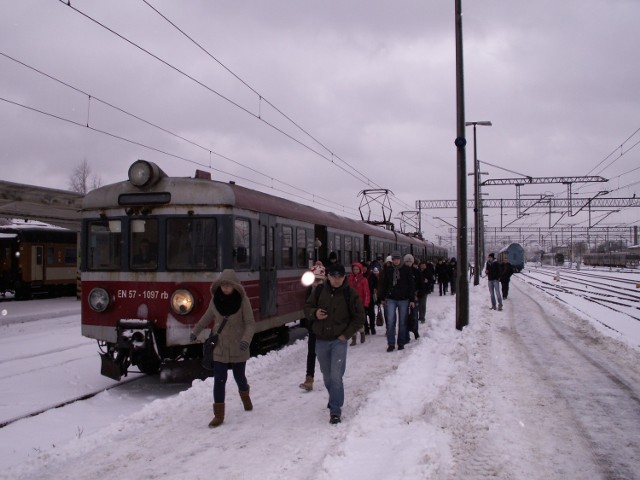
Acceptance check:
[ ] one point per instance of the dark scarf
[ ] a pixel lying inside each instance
(227, 304)
(396, 274)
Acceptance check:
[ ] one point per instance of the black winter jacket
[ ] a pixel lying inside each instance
(343, 319)
(404, 289)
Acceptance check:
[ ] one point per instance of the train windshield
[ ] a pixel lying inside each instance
(143, 244)
(192, 244)
(104, 245)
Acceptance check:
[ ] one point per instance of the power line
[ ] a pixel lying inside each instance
(155, 149)
(364, 178)
(169, 132)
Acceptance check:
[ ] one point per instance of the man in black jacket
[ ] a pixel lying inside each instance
(397, 292)
(337, 316)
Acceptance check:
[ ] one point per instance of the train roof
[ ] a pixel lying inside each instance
(194, 192)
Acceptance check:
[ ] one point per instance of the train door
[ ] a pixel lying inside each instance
(37, 263)
(268, 272)
(321, 241)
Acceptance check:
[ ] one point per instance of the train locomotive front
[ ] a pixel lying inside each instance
(151, 247)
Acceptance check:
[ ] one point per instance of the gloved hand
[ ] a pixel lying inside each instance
(244, 345)
(193, 337)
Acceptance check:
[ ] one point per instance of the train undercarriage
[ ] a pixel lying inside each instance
(138, 343)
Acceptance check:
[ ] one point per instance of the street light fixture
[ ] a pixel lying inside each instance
(476, 200)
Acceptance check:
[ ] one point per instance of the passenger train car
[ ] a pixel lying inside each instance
(37, 258)
(152, 245)
(612, 259)
(514, 254)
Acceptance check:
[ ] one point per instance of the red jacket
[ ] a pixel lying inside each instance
(361, 284)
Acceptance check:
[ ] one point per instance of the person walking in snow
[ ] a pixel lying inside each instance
(229, 304)
(397, 292)
(506, 270)
(492, 269)
(337, 315)
(359, 282)
(319, 275)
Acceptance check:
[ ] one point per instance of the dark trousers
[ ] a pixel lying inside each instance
(370, 321)
(311, 354)
(220, 373)
(505, 288)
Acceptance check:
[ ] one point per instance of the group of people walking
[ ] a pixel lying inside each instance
(393, 292)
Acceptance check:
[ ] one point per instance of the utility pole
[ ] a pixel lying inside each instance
(462, 291)
(477, 210)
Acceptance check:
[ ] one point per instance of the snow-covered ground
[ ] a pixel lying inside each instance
(540, 390)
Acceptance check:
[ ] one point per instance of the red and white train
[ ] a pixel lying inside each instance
(152, 245)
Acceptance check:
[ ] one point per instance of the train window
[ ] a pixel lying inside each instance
(287, 246)
(143, 244)
(337, 247)
(301, 247)
(242, 242)
(357, 249)
(263, 246)
(70, 256)
(51, 255)
(348, 251)
(104, 240)
(192, 244)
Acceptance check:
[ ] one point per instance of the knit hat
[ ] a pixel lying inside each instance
(408, 258)
(333, 256)
(318, 270)
(396, 254)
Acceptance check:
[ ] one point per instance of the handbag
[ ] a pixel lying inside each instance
(210, 344)
(379, 318)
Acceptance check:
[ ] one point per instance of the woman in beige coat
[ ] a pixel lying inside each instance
(230, 301)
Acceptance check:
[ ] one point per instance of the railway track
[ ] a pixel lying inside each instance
(68, 401)
(614, 295)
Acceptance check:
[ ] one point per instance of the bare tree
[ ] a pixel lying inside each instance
(82, 180)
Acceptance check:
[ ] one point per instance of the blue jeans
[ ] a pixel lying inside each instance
(396, 311)
(494, 290)
(220, 378)
(332, 357)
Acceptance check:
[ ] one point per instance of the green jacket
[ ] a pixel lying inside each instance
(343, 319)
(240, 326)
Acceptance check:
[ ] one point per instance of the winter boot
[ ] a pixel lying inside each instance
(353, 341)
(246, 400)
(308, 384)
(361, 337)
(218, 415)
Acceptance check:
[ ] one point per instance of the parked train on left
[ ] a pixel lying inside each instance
(152, 245)
(37, 258)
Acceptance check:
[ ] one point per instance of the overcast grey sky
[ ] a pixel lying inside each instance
(373, 81)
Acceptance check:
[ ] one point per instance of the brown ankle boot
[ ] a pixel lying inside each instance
(353, 341)
(308, 384)
(246, 400)
(218, 415)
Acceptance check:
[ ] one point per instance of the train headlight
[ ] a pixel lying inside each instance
(99, 299)
(145, 174)
(182, 301)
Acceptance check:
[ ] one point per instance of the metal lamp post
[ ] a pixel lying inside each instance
(476, 201)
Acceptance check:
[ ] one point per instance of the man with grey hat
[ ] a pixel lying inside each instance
(397, 292)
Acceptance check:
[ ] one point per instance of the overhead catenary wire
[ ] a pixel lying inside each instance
(167, 131)
(360, 177)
